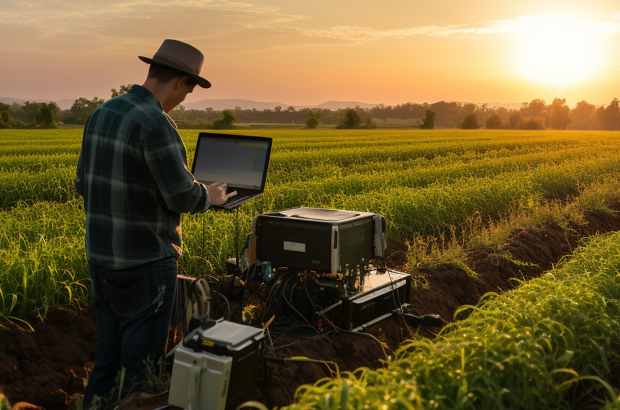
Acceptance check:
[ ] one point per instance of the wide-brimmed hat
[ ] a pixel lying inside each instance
(181, 57)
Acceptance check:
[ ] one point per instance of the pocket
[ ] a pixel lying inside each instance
(128, 302)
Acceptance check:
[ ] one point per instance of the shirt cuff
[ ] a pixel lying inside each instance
(207, 199)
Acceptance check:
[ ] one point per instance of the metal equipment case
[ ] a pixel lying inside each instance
(379, 296)
(322, 240)
(210, 360)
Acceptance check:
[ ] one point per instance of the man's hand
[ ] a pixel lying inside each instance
(217, 193)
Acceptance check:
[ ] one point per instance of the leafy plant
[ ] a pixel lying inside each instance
(547, 344)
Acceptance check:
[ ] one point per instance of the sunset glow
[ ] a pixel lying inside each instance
(560, 50)
(302, 53)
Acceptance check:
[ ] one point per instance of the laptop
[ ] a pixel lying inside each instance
(240, 161)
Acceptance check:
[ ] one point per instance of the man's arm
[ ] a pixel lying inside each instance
(165, 157)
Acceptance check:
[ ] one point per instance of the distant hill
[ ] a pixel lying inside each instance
(63, 104)
(334, 105)
(222, 104)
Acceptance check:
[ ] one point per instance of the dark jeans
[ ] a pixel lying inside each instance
(133, 308)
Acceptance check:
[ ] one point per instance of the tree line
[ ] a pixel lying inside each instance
(537, 115)
(29, 115)
(534, 115)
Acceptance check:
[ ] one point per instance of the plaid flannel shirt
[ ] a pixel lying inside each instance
(133, 175)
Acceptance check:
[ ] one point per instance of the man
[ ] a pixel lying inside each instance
(133, 175)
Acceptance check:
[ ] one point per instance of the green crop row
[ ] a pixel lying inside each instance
(299, 156)
(44, 137)
(365, 179)
(549, 344)
(45, 240)
(42, 258)
(401, 144)
(421, 187)
(281, 173)
(43, 261)
(294, 140)
(458, 141)
(41, 162)
(432, 209)
(56, 184)
(38, 141)
(33, 149)
(285, 172)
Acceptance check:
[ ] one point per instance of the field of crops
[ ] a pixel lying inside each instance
(424, 182)
(550, 344)
(552, 341)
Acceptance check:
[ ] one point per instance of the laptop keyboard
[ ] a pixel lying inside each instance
(235, 202)
(242, 195)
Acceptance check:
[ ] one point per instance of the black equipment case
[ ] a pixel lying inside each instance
(380, 295)
(321, 240)
(374, 298)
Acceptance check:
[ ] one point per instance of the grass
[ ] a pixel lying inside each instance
(478, 232)
(42, 259)
(551, 343)
(439, 189)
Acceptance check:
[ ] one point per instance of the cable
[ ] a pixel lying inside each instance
(400, 305)
(294, 330)
(237, 238)
(316, 309)
(280, 294)
(191, 300)
(277, 300)
(198, 286)
(253, 265)
(302, 316)
(277, 294)
(275, 286)
(194, 300)
(226, 314)
(321, 336)
(203, 235)
(361, 334)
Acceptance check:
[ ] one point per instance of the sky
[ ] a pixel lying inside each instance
(308, 52)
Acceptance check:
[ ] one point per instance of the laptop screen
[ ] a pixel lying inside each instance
(239, 161)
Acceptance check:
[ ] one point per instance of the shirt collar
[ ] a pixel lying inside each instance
(146, 95)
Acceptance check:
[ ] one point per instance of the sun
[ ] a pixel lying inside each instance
(559, 49)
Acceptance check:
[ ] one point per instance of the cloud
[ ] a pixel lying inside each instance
(73, 25)
(69, 26)
(516, 25)
(354, 33)
(50, 13)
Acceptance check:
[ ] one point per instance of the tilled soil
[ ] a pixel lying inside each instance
(47, 367)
